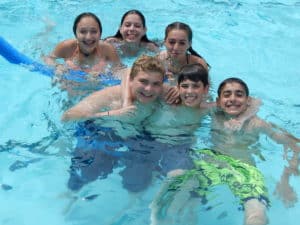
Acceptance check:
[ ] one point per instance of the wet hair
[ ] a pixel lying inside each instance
(194, 72)
(136, 12)
(233, 80)
(86, 14)
(147, 64)
(188, 30)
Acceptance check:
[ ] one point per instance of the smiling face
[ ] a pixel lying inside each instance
(233, 99)
(146, 86)
(87, 34)
(192, 93)
(132, 28)
(177, 43)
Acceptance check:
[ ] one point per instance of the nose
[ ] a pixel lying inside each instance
(148, 87)
(232, 98)
(131, 27)
(88, 35)
(189, 89)
(176, 45)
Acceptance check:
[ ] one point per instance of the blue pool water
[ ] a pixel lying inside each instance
(255, 40)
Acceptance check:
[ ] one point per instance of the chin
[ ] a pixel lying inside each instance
(131, 41)
(145, 100)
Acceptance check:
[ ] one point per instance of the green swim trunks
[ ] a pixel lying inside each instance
(212, 168)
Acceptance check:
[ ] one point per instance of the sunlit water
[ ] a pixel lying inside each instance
(255, 40)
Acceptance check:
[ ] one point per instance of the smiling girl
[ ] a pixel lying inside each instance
(86, 52)
(179, 51)
(131, 38)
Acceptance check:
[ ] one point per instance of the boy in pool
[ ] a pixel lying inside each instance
(146, 85)
(231, 162)
(92, 106)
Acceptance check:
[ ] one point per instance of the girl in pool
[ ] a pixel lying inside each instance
(131, 38)
(179, 51)
(86, 52)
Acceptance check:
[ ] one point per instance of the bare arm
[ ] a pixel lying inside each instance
(278, 134)
(95, 105)
(125, 85)
(284, 190)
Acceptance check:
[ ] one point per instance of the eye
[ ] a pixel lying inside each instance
(182, 43)
(226, 94)
(240, 94)
(157, 84)
(196, 86)
(184, 86)
(143, 81)
(137, 25)
(83, 31)
(127, 24)
(171, 42)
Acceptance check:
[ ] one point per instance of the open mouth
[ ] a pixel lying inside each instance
(189, 98)
(146, 96)
(89, 44)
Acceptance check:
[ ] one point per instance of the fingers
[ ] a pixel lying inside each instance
(172, 96)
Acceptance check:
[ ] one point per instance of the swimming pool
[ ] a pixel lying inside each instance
(255, 40)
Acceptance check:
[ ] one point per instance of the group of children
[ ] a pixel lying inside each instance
(169, 113)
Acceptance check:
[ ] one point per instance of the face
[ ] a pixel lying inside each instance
(147, 86)
(177, 43)
(233, 99)
(87, 34)
(132, 29)
(192, 93)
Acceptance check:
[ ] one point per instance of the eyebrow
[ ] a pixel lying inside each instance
(234, 91)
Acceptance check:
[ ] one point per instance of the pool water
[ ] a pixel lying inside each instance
(255, 40)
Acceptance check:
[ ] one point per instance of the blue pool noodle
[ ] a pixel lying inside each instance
(12, 55)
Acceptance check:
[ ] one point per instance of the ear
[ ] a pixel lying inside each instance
(206, 89)
(248, 101)
(120, 28)
(145, 31)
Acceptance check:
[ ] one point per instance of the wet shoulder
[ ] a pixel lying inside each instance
(196, 59)
(66, 48)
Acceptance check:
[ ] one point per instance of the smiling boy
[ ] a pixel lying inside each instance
(231, 161)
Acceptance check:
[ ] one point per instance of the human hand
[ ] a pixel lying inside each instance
(172, 96)
(286, 193)
(293, 161)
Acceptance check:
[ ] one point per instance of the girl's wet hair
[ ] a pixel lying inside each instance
(136, 12)
(147, 63)
(233, 80)
(188, 30)
(194, 72)
(86, 14)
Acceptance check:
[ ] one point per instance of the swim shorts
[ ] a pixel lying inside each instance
(212, 168)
